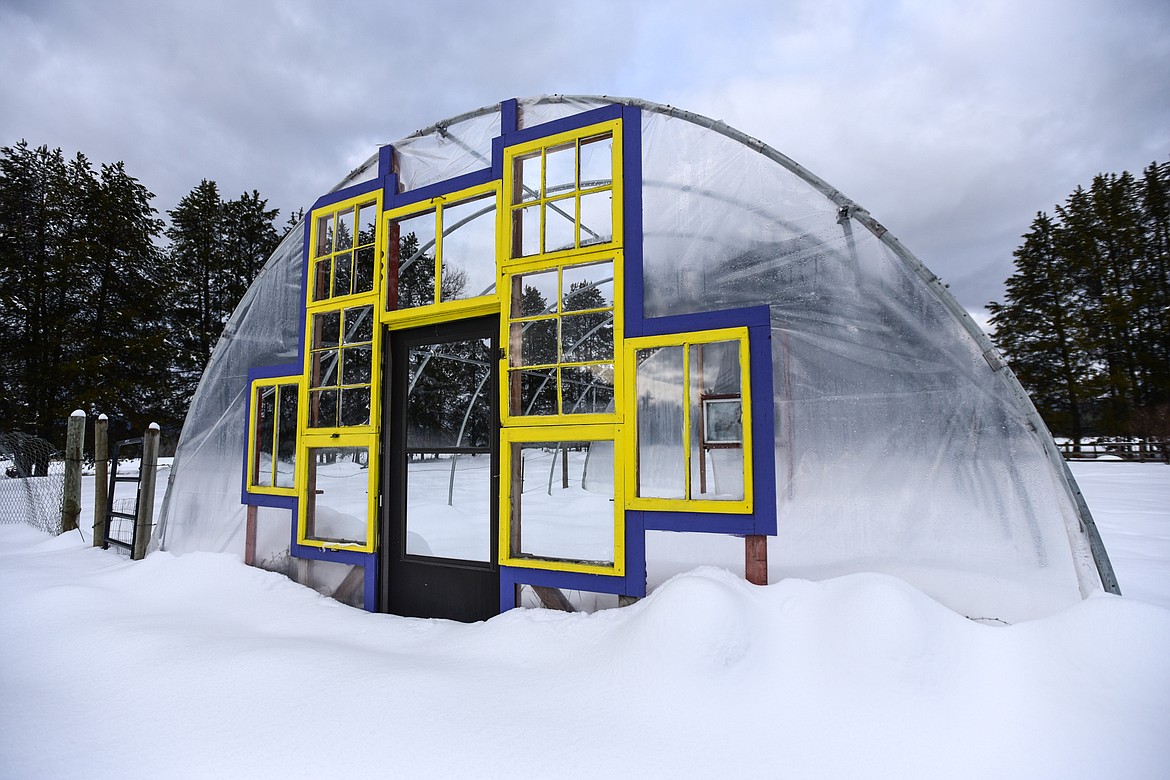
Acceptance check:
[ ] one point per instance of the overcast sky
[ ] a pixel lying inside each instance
(952, 122)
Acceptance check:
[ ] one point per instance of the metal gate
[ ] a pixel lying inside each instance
(122, 525)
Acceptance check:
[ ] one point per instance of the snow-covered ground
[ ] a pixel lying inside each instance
(197, 666)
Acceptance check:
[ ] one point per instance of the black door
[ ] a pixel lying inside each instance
(439, 491)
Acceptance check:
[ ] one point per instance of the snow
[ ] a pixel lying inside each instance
(197, 666)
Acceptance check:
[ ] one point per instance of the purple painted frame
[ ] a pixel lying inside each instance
(762, 519)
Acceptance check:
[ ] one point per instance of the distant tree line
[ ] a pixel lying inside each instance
(1085, 322)
(103, 306)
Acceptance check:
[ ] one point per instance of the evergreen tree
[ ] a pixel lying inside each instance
(217, 248)
(1086, 321)
(81, 322)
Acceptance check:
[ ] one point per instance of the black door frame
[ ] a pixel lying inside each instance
(428, 575)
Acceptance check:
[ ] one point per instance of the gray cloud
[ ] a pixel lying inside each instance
(952, 123)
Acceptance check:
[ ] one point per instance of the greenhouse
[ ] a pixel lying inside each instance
(557, 350)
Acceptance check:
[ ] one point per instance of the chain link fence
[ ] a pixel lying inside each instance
(32, 481)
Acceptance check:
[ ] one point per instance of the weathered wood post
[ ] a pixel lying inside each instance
(756, 559)
(101, 470)
(145, 520)
(74, 442)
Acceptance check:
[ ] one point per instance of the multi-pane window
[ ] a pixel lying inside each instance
(692, 421)
(562, 193)
(444, 254)
(561, 340)
(341, 360)
(344, 253)
(272, 462)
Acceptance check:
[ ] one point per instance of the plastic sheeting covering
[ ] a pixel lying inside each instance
(202, 509)
(899, 448)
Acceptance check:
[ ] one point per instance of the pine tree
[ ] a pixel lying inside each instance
(217, 249)
(1086, 319)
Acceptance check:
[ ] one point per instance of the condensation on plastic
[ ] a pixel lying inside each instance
(898, 448)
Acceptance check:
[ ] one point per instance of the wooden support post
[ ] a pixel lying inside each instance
(756, 562)
(553, 598)
(74, 443)
(250, 537)
(101, 470)
(144, 523)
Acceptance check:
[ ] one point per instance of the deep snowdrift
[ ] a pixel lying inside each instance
(199, 666)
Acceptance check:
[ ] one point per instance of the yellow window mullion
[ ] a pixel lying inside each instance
(438, 253)
(686, 420)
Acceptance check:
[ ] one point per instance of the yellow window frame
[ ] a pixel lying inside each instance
(303, 428)
(630, 442)
(343, 301)
(508, 436)
(319, 441)
(506, 319)
(541, 145)
(253, 417)
(439, 311)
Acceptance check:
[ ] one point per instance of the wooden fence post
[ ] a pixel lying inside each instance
(101, 470)
(145, 520)
(74, 442)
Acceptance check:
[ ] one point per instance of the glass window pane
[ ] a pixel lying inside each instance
(342, 274)
(723, 421)
(326, 329)
(560, 219)
(355, 406)
(323, 409)
(359, 325)
(526, 231)
(587, 337)
(324, 236)
(338, 494)
(363, 270)
(416, 260)
(469, 249)
(561, 508)
(265, 400)
(534, 342)
(597, 218)
(661, 456)
(716, 464)
(367, 220)
(534, 391)
(534, 294)
(560, 170)
(344, 230)
(323, 368)
(286, 437)
(587, 389)
(597, 162)
(355, 365)
(448, 507)
(527, 181)
(588, 286)
(321, 279)
(449, 404)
